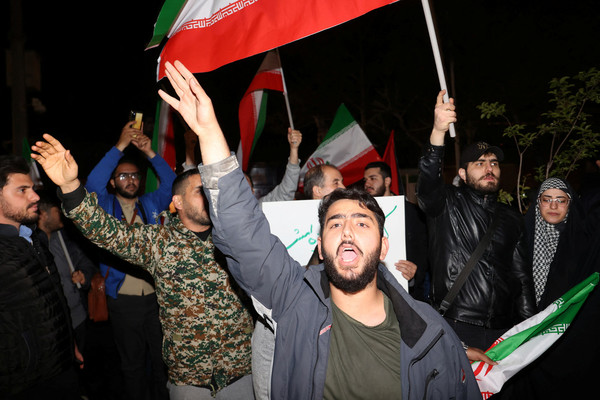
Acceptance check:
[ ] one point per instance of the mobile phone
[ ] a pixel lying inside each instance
(137, 117)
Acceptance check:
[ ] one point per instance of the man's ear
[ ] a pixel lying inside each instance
(463, 174)
(387, 182)
(317, 192)
(385, 246)
(112, 182)
(177, 202)
(319, 247)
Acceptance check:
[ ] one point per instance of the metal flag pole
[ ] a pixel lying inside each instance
(436, 55)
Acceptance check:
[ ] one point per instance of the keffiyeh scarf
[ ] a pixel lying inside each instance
(546, 240)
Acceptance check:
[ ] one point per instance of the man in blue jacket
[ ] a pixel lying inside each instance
(132, 304)
(345, 328)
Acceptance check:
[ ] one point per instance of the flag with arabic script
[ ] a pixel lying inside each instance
(525, 342)
(207, 34)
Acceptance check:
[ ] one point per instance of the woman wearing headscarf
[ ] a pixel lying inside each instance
(563, 247)
(558, 239)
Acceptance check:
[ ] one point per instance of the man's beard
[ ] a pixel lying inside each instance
(20, 216)
(197, 216)
(359, 282)
(485, 187)
(123, 193)
(378, 191)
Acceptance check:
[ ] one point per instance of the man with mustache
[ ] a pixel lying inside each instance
(131, 299)
(346, 329)
(37, 355)
(498, 293)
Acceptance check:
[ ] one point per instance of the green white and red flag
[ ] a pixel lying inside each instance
(525, 342)
(346, 146)
(253, 107)
(205, 35)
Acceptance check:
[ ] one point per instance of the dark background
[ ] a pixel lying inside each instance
(94, 70)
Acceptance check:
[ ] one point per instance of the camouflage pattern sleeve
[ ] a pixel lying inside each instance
(133, 243)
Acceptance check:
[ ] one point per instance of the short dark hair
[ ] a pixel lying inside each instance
(363, 198)
(126, 160)
(314, 177)
(386, 171)
(180, 181)
(47, 201)
(11, 164)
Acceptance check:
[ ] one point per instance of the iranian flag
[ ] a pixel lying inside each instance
(253, 107)
(525, 342)
(205, 35)
(345, 146)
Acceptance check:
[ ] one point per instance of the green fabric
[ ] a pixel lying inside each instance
(364, 362)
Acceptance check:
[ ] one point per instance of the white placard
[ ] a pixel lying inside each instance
(296, 224)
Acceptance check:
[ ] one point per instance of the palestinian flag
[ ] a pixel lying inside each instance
(253, 107)
(205, 35)
(345, 146)
(525, 342)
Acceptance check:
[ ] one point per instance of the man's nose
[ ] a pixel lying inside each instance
(347, 232)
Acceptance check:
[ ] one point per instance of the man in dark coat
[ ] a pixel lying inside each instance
(37, 346)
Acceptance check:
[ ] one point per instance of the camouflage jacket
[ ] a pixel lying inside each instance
(206, 327)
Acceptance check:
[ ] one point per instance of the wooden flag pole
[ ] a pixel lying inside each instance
(285, 92)
(436, 55)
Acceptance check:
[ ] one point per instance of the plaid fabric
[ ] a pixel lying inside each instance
(546, 240)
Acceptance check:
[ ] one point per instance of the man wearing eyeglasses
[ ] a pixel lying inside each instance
(132, 302)
(498, 291)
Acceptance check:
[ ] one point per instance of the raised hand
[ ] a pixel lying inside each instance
(444, 115)
(196, 109)
(59, 164)
(144, 144)
(128, 134)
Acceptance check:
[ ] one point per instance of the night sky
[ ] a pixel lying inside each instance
(94, 70)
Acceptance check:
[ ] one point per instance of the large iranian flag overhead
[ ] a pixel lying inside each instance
(205, 35)
(345, 146)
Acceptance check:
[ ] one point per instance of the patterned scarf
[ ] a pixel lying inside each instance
(545, 239)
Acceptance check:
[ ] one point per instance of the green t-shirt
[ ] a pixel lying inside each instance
(364, 361)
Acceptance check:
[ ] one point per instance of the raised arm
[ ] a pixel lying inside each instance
(133, 243)
(258, 261)
(430, 186)
(196, 109)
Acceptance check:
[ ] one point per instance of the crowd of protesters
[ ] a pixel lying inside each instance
(204, 302)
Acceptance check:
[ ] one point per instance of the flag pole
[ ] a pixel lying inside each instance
(285, 92)
(436, 55)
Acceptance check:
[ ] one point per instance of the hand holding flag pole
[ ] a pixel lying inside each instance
(436, 55)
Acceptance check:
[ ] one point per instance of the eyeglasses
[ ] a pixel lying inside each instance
(560, 201)
(128, 175)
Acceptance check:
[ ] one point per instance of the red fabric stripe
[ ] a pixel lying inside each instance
(258, 27)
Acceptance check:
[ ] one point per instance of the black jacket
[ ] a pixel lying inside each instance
(36, 341)
(499, 291)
